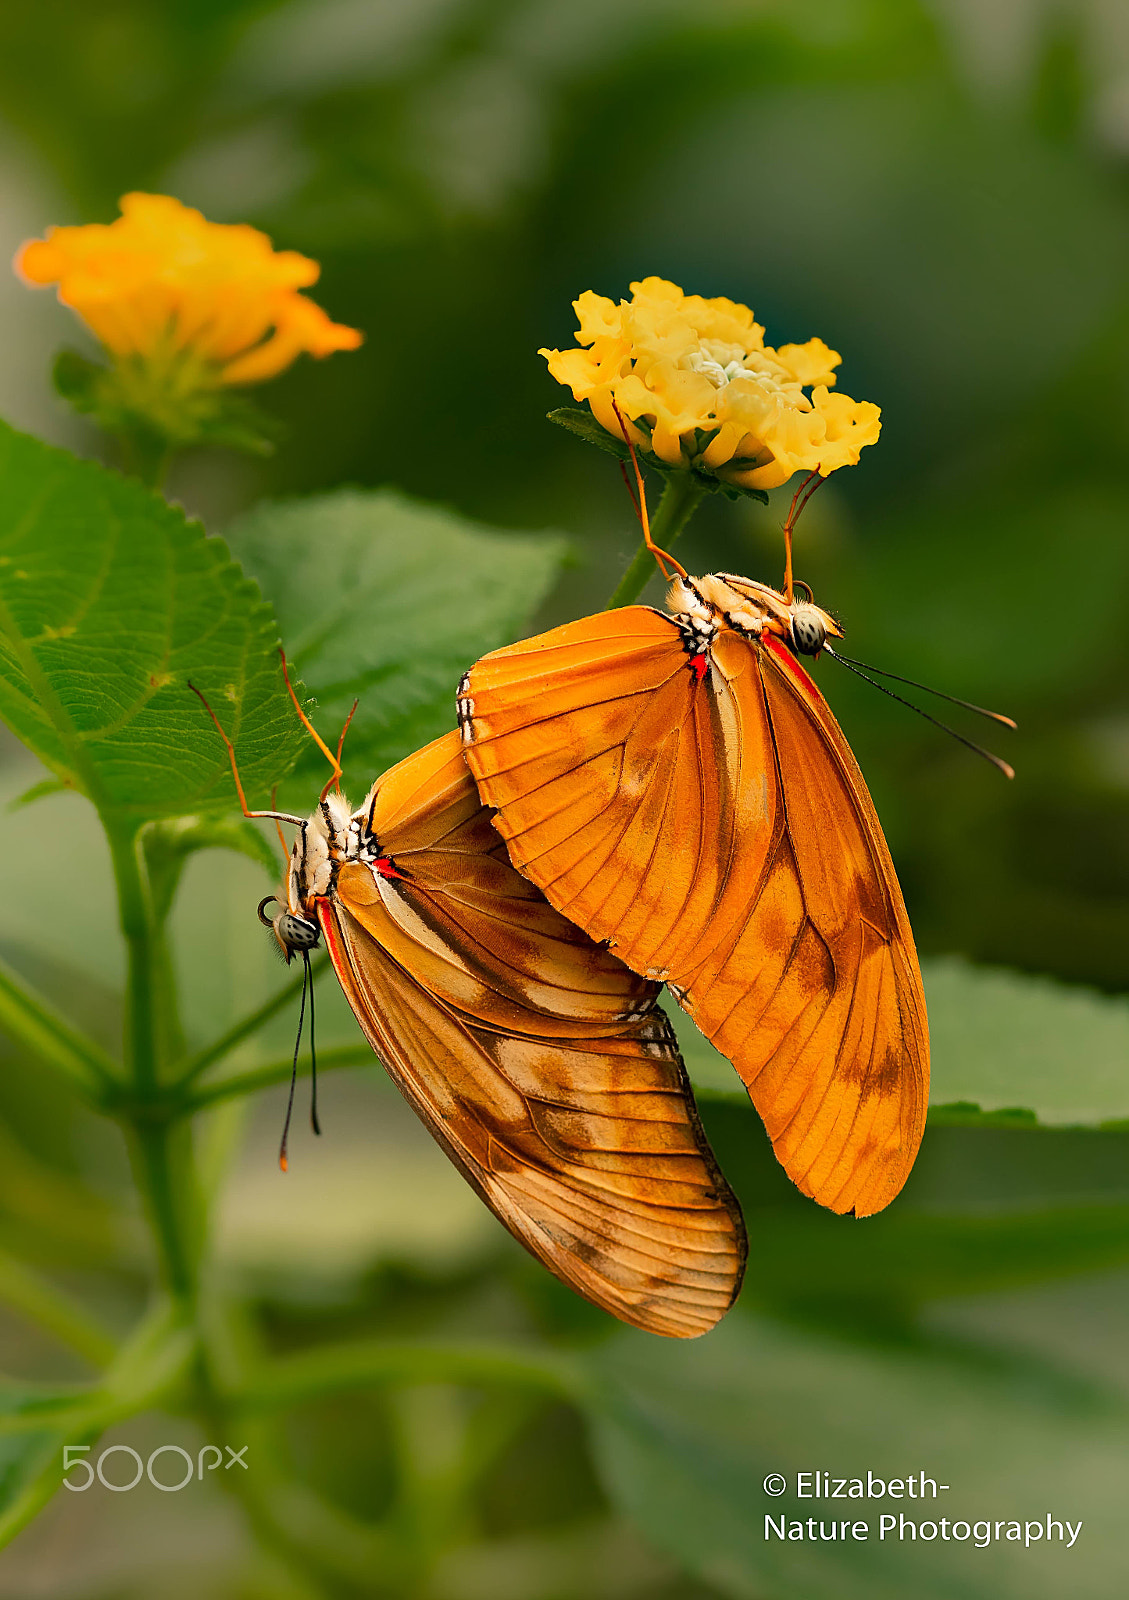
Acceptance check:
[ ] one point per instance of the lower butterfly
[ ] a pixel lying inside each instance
(676, 785)
(537, 1060)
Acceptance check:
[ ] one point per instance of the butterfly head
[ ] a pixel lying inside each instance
(295, 924)
(752, 608)
(293, 933)
(809, 626)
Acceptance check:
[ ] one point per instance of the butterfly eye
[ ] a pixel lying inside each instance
(809, 634)
(293, 933)
(296, 933)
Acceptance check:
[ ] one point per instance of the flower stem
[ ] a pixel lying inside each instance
(680, 498)
(146, 456)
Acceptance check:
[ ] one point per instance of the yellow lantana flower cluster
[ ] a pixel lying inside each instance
(704, 391)
(161, 281)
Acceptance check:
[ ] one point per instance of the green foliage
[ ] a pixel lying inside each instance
(388, 601)
(110, 602)
(685, 1437)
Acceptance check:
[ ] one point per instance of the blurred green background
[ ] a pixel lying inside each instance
(941, 192)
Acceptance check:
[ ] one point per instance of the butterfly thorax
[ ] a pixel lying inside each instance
(701, 606)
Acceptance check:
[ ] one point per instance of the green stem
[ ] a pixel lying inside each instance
(134, 915)
(332, 1369)
(248, 1025)
(256, 1078)
(42, 1303)
(680, 498)
(161, 1151)
(146, 456)
(169, 1033)
(28, 1018)
(166, 1176)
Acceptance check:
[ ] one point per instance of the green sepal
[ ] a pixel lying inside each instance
(169, 845)
(158, 405)
(584, 425)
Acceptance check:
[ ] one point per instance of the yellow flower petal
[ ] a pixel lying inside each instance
(810, 363)
(596, 316)
(162, 280)
(850, 424)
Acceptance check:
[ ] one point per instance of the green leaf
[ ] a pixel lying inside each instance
(984, 1208)
(110, 601)
(1002, 1040)
(1007, 1049)
(685, 1435)
(388, 600)
(35, 1423)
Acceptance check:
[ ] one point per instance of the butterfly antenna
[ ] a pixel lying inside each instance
(630, 487)
(307, 983)
(660, 556)
(309, 727)
(314, 1123)
(1008, 772)
(966, 705)
(799, 500)
(279, 816)
(335, 781)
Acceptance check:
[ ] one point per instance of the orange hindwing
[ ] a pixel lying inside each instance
(539, 1062)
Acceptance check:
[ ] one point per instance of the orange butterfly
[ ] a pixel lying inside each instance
(677, 786)
(536, 1059)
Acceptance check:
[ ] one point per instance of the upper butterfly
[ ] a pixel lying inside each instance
(677, 786)
(538, 1061)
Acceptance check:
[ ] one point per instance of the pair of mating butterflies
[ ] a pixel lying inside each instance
(631, 800)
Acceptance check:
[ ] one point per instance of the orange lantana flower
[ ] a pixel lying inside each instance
(162, 281)
(705, 392)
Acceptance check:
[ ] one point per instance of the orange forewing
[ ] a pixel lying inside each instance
(716, 830)
(538, 1061)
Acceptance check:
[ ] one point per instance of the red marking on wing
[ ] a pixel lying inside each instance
(323, 908)
(384, 867)
(700, 665)
(782, 653)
